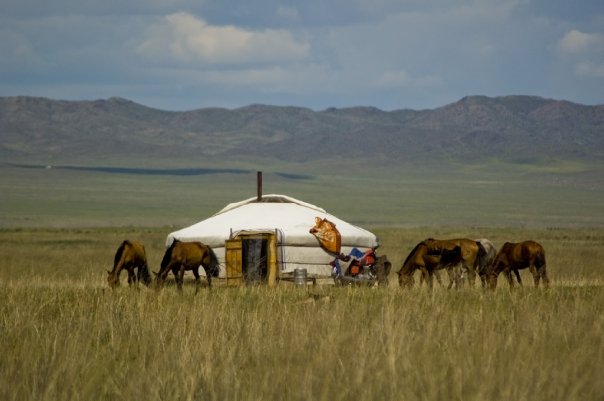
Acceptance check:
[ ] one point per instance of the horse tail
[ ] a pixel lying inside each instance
(540, 259)
(119, 253)
(214, 267)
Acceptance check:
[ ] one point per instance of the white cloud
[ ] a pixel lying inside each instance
(575, 42)
(585, 51)
(183, 37)
(593, 70)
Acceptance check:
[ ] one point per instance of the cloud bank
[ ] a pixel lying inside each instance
(185, 54)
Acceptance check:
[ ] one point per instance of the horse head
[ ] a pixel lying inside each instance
(112, 279)
(499, 264)
(213, 268)
(405, 279)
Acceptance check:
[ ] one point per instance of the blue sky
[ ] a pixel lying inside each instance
(189, 54)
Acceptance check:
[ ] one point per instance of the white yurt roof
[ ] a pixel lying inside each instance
(292, 217)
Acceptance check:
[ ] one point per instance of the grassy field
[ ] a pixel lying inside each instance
(66, 335)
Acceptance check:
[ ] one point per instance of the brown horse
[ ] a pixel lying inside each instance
(130, 255)
(517, 256)
(472, 255)
(484, 262)
(428, 260)
(487, 261)
(182, 256)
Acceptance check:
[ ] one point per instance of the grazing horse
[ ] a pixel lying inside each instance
(181, 256)
(517, 256)
(428, 260)
(487, 261)
(472, 255)
(484, 262)
(130, 255)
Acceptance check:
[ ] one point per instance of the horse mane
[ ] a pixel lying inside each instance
(168, 254)
(412, 253)
(120, 252)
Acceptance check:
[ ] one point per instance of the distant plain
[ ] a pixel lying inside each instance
(432, 196)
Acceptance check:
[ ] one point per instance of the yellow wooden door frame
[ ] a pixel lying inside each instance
(234, 257)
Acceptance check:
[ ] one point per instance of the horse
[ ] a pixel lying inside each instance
(182, 256)
(472, 255)
(487, 261)
(130, 255)
(517, 256)
(428, 261)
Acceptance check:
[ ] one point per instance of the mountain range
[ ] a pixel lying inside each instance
(514, 129)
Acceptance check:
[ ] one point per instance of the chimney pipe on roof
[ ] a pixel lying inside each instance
(259, 185)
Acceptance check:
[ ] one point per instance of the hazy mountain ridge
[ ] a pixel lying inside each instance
(476, 127)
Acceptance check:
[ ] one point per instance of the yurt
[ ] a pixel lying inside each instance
(267, 237)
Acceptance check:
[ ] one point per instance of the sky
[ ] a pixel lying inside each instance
(390, 54)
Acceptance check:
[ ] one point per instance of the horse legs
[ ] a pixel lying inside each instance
(508, 276)
(535, 273)
(423, 275)
(471, 274)
(540, 272)
(430, 278)
(180, 277)
(452, 278)
(208, 277)
(437, 275)
(483, 280)
(459, 275)
(197, 279)
(131, 275)
(517, 273)
(543, 272)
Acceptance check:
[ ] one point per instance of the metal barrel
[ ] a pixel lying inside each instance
(300, 277)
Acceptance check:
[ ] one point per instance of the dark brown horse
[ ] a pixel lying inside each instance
(487, 261)
(130, 255)
(472, 255)
(428, 260)
(182, 256)
(517, 256)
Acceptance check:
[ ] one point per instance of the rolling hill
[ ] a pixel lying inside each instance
(512, 129)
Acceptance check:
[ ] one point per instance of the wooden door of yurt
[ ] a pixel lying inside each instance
(233, 262)
(251, 258)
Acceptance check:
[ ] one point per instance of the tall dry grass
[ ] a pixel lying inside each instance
(66, 336)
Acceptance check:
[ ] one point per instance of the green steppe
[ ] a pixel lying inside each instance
(67, 336)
